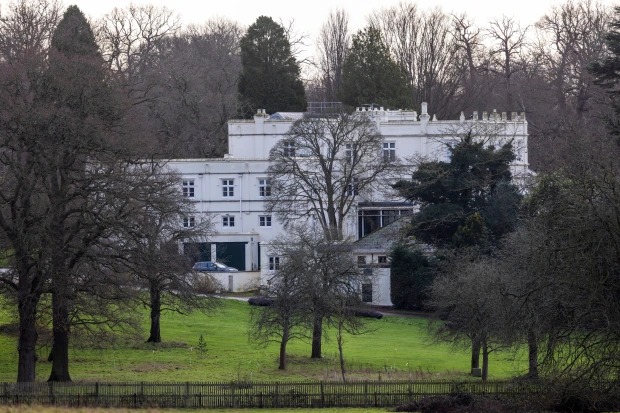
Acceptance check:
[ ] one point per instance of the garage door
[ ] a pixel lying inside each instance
(229, 253)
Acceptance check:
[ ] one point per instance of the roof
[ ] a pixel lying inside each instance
(287, 115)
(384, 238)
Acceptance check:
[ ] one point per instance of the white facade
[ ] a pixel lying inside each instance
(231, 190)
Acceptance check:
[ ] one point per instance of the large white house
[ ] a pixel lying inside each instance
(231, 190)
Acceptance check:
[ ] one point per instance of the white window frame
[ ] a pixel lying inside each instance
(353, 188)
(264, 187)
(264, 220)
(288, 148)
(189, 188)
(274, 263)
(350, 152)
(228, 221)
(389, 151)
(189, 222)
(228, 187)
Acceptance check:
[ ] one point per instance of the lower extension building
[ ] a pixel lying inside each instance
(231, 191)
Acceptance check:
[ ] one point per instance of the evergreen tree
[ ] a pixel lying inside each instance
(466, 201)
(410, 276)
(270, 78)
(370, 75)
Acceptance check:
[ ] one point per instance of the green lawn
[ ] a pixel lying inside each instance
(395, 348)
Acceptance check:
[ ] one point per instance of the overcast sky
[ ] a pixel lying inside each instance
(309, 15)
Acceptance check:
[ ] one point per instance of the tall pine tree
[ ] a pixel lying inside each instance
(82, 111)
(270, 78)
(370, 75)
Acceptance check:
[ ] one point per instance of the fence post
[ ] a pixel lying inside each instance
(97, 393)
(51, 393)
(322, 394)
(186, 394)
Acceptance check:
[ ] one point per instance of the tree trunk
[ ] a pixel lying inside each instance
(27, 342)
(343, 371)
(532, 344)
(475, 353)
(155, 334)
(485, 361)
(317, 337)
(61, 330)
(285, 337)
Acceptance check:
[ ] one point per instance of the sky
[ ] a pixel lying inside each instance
(309, 15)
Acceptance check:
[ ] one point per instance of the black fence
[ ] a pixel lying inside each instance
(250, 394)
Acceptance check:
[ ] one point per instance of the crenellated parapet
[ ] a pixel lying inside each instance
(400, 115)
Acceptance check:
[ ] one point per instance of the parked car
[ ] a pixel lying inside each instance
(212, 266)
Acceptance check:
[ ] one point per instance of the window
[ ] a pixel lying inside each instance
(350, 152)
(367, 293)
(264, 220)
(188, 188)
(382, 259)
(288, 148)
(228, 221)
(274, 263)
(389, 151)
(189, 222)
(361, 260)
(352, 188)
(264, 187)
(228, 187)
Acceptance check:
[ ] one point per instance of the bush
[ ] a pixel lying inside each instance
(368, 313)
(205, 284)
(260, 301)
(459, 403)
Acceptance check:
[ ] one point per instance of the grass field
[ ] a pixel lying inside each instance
(395, 348)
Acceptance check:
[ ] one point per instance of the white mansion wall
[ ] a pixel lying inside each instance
(230, 187)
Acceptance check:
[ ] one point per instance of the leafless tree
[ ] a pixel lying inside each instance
(323, 166)
(508, 53)
(129, 38)
(285, 318)
(468, 303)
(328, 281)
(26, 29)
(332, 45)
(195, 94)
(569, 38)
(424, 45)
(25, 35)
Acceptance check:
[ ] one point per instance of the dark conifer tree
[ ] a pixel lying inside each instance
(370, 75)
(466, 201)
(270, 78)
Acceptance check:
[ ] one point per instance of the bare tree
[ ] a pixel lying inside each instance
(323, 166)
(570, 38)
(163, 219)
(332, 45)
(424, 45)
(195, 94)
(285, 318)
(469, 306)
(508, 53)
(328, 281)
(129, 38)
